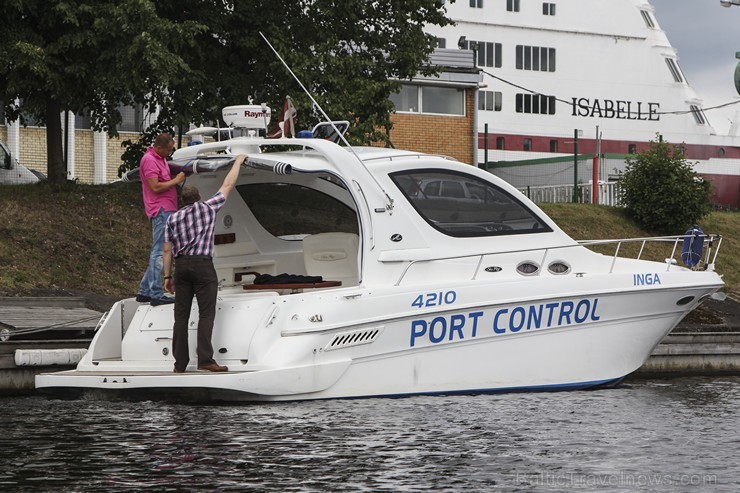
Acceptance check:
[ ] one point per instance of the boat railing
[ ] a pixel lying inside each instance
(708, 257)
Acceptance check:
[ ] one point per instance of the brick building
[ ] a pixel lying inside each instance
(438, 115)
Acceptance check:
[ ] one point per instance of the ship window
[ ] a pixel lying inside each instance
(553, 145)
(287, 209)
(478, 4)
(675, 71)
(538, 58)
(647, 18)
(441, 43)
(721, 152)
(462, 205)
(535, 103)
(489, 100)
(500, 143)
(632, 149)
(548, 8)
(512, 5)
(698, 115)
(527, 144)
(489, 53)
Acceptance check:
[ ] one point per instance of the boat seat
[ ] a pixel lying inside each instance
(332, 256)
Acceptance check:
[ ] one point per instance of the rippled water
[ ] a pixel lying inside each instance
(652, 435)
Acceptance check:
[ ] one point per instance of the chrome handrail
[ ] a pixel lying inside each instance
(711, 238)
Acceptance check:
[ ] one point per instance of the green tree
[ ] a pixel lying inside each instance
(189, 58)
(661, 190)
(94, 55)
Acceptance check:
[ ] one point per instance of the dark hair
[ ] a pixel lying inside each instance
(190, 194)
(162, 140)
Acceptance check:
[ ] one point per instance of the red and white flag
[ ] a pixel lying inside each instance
(286, 123)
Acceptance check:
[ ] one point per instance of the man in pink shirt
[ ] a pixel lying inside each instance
(160, 201)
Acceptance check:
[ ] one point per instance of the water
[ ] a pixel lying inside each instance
(647, 435)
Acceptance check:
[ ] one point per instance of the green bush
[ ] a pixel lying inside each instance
(661, 190)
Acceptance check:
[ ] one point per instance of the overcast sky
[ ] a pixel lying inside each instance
(707, 36)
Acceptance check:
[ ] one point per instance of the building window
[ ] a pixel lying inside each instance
(527, 144)
(500, 143)
(548, 8)
(407, 99)
(553, 145)
(698, 115)
(430, 99)
(535, 103)
(489, 100)
(131, 118)
(647, 18)
(441, 43)
(535, 58)
(489, 54)
(512, 5)
(675, 71)
(476, 4)
(82, 120)
(632, 149)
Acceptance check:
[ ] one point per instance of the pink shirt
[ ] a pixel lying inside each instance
(154, 166)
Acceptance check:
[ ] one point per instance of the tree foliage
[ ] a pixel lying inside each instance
(192, 57)
(661, 190)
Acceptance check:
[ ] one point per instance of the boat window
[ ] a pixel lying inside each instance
(286, 209)
(462, 205)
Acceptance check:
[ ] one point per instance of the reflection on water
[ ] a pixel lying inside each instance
(654, 435)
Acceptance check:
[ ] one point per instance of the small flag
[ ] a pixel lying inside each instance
(286, 123)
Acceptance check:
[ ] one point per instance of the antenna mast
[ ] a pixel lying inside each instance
(389, 205)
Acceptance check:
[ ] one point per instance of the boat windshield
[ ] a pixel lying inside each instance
(463, 205)
(292, 211)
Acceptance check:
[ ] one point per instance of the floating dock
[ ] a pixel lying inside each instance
(41, 334)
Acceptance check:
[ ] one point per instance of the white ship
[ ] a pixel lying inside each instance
(435, 277)
(599, 72)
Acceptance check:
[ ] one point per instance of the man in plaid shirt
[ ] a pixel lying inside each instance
(188, 238)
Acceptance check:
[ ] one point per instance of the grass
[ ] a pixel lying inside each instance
(83, 239)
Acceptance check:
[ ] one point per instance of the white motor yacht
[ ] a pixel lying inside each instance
(372, 272)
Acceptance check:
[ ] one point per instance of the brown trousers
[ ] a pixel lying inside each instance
(194, 276)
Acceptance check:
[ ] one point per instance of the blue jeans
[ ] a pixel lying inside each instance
(151, 283)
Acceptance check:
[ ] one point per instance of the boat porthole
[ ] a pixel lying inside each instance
(558, 267)
(165, 351)
(527, 268)
(685, 300)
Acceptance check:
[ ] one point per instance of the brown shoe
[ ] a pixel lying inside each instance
(212, 367)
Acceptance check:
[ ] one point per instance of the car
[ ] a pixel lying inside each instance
(14, 173)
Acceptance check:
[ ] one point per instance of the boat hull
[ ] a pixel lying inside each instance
(540, 344)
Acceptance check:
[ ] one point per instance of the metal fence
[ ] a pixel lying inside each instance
(608, 193)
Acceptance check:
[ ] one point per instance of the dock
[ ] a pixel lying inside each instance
(41, 334)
